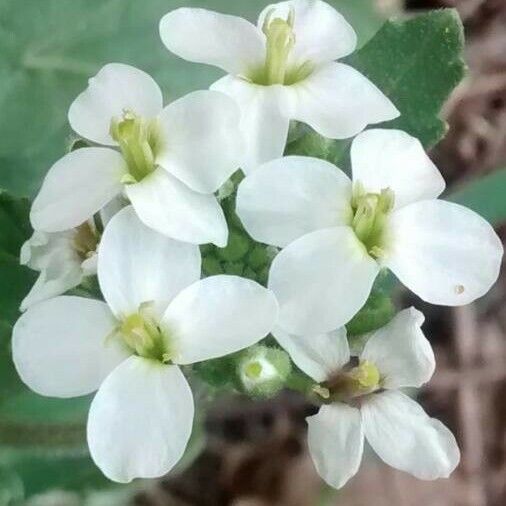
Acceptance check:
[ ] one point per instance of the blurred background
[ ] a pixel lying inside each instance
(245, 453)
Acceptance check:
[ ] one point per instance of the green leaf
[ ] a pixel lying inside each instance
(15, 226)
(50, 48)
(416, 63)
(16, 282)
(486, 196)
(16, 279)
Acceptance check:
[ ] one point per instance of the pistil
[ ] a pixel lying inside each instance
(280, 41)
(142, 333)
(370, 215)
(137, 138)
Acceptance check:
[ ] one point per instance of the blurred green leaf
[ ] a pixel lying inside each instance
(11, 487)
(15, 284)
(486, 196)
(16, 279)
(15, 226)
(50, 48)
(40, 473)
(417, 63)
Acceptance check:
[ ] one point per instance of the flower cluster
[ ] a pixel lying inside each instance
(141, 203)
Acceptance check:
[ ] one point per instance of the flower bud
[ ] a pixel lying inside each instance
(263, 371)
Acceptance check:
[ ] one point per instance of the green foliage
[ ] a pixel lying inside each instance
(486, 196)
(16, 279)
(416, 63)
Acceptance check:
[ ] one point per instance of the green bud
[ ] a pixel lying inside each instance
(237, 247)
(233, 268)
(376, 313)
(211, 266)
(263, 371)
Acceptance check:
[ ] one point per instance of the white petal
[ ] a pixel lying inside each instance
(264, 119)
(203, 143)
(217, 316)
(321, 33)
(76, 187)
(137, 264)
(336, 442)
(289, 197)
(318, 355)
(168, 206)
(53, 282)
(115, 89)
(339, 102)
(401, 351)
(203, 36)
(443, 252)
(321, 280)
(396, 160)
(59, 264)
(405, 437)
(60, 346)
(140, 420)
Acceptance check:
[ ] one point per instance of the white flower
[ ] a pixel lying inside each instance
(337, 235)
(63, 259)
(167, 161)
(157, 316)
(370, 406)
(280, 70)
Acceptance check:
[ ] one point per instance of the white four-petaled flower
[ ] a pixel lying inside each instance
(168, 161)
(364, 402)
(157, 316)
(280, 70)
(338, 234)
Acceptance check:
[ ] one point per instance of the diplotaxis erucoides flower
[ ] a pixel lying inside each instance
(283, 69)
(338, 234)
(361, 401)
(157, 316)
(168, 161)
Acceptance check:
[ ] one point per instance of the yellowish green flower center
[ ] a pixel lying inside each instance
(138, 140)
(280, 40)
(142, 333)
(367, 376)
(86, 240)
(350, 383)
(370, 215)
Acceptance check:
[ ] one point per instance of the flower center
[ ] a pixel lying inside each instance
(366, 376)
(370, 215)
(138, 141)
(280, 40)
(351, 383)
(142, 333)
(85, 241)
